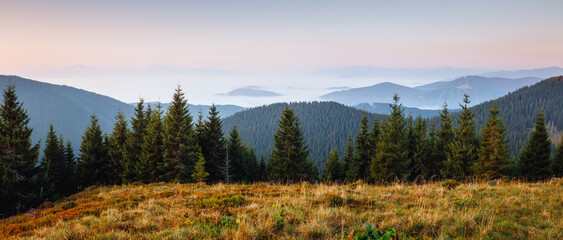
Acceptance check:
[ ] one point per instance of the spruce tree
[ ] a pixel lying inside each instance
(134, 143)
(199, 174)
(374, 138)
(420, 160)
(213, 144)
(363, 148)
(464, 148)
(262, 165)
(250, 164)
(391, 160)
(350, 168)
(93, 162)
(53, 165)
(70, 168)
(433, 155)
(289, 159)
(18, 157)
(180, 143)
(152, 149)
(333, 171)
(493, 152)
(411, 144)
(116, 150)
(446, 136)
(236, 155)
(557, 162)
(535, 158)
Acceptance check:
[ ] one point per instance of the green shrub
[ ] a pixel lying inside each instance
(371, 233)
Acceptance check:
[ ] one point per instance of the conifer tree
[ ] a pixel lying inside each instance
(363, 148)
(236, 155)
(134, 143)
(464, 148)
(199, 174)
(180, 143)
(350, 168)
(374, 138)
(250, 164)
(411, 144)
(226, 169)
(557, 162)
(53, 165)
(289, 159)
(493, 153)
(116, 149)
(433, 153)
(420, 159)
(535, 158)
(333, 171)
(213, 144)
(18, 157)
(446, 136)
(262, 166)
(93, 162)
(391, 160)
(200, 130)
(70, 168)
(152, 149)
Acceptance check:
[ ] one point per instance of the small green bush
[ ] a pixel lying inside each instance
(371, 233)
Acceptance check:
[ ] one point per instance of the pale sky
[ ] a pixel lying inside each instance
(270, 37)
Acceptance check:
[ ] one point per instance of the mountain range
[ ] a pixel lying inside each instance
(326, 125)
(434, 95)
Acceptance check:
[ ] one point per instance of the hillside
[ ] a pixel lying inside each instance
(383, 108)
(518, 110)
(67, 108)
(326, 126)
(435, 94)
(299, 211)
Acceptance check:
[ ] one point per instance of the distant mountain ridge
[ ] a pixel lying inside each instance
(434, 95)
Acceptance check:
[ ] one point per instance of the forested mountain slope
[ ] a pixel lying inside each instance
(518, 110)
(67, 108)
(325, 125)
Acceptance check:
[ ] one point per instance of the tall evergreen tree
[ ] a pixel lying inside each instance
(374, 138)
(93, 162)
(535, 158)
(213, 145)
(391, 160)
(411, 144)
(53, 165)
(446, 136)
(70, 168)
(116, 149)
(557, 162)
(363, 148)
(134, 143)
(263, 169)
(433, 153)
(420, 160)
(493, 153)
(464, 148)
(333, 171)
(152, 149)
(350, 168)
(249, 164)
(289, 159)
(181, 147)
(236, 155)
(18, 156)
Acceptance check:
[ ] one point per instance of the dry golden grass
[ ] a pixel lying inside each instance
(298, 211)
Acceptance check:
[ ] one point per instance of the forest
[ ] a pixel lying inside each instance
(174, 147)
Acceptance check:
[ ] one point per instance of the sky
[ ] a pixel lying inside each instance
(106, 46)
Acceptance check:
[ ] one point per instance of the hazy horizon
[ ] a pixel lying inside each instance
(128, 50)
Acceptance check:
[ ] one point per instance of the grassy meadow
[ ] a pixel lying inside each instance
(503, 210)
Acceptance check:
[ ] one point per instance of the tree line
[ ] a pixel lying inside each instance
(154, 146)
(406, 149)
